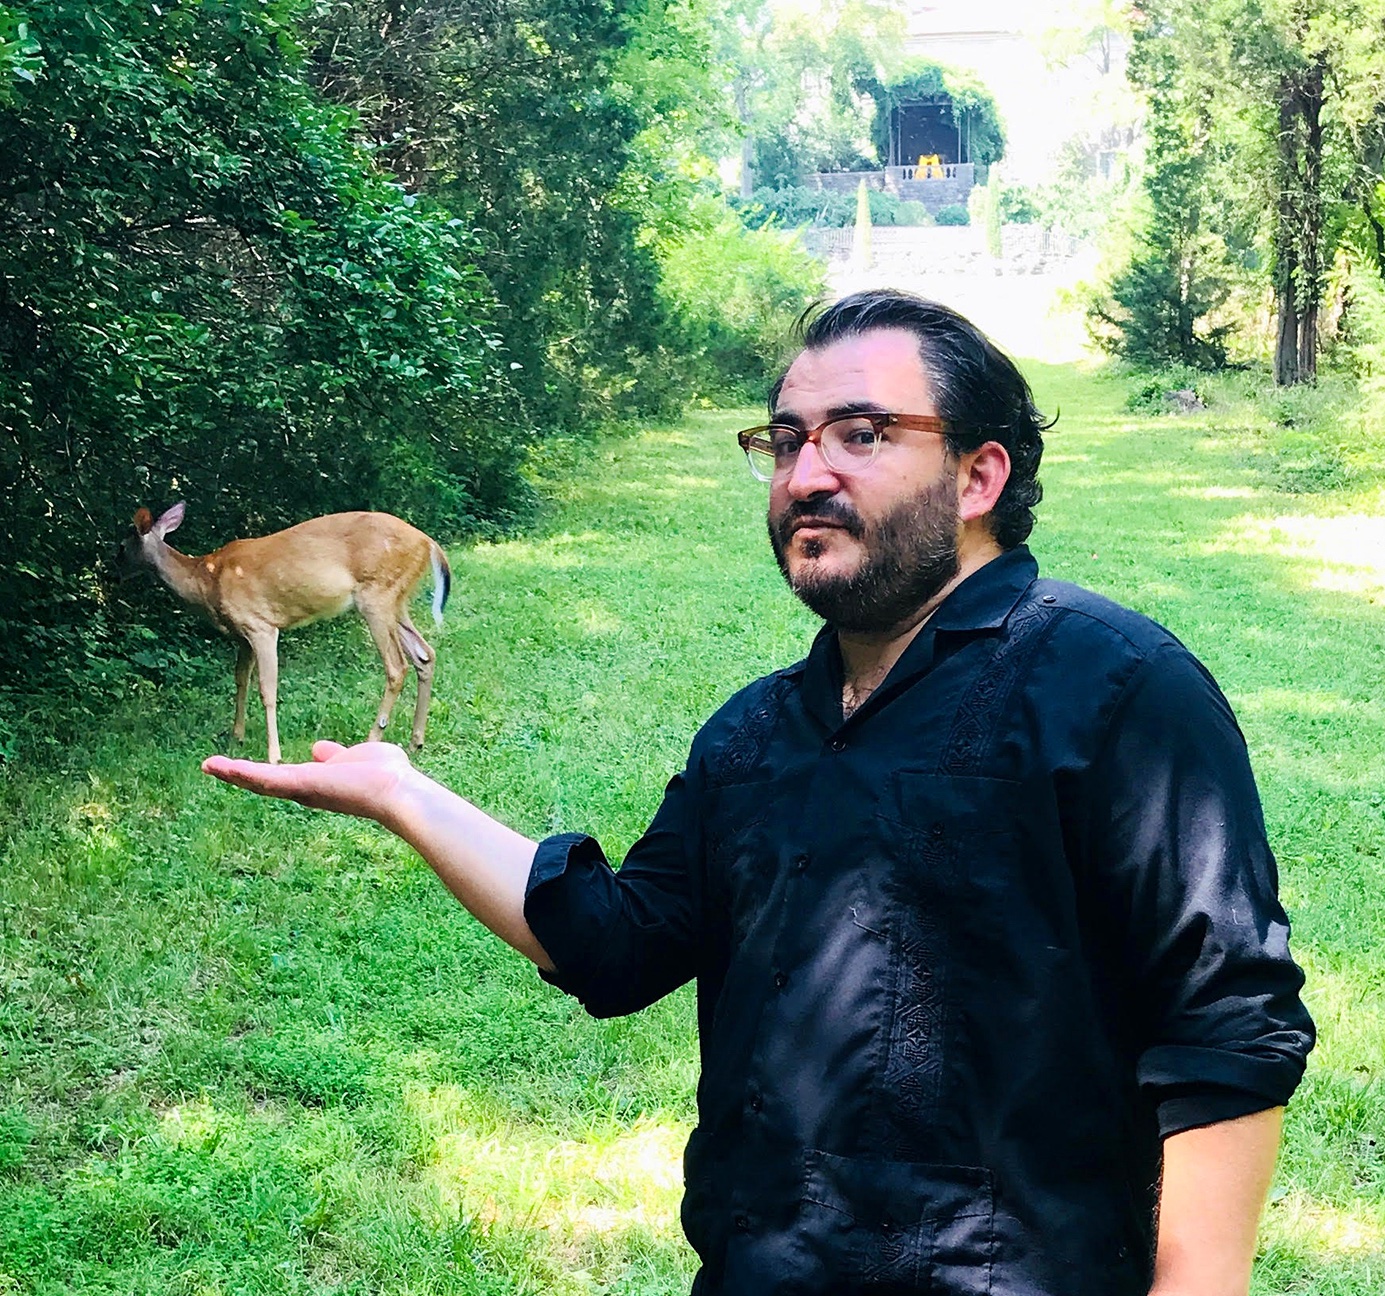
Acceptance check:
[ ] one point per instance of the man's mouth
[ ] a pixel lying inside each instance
(814, 524)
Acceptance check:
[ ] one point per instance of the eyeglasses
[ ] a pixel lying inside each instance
(847, 444)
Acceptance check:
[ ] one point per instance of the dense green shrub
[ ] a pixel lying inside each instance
(1019, 205)
(736, 293)
(208, 292)
(1154, 316)
(952, 214)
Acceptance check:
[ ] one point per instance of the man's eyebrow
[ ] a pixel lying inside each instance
(789, 419)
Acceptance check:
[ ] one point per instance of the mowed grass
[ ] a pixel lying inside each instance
(249, 1048)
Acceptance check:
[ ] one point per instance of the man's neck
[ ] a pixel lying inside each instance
(868, 658)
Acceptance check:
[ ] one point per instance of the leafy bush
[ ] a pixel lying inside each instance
(736, 293)
(952, 214)
(1154, 316)
(1019, 205)
(1149, 391)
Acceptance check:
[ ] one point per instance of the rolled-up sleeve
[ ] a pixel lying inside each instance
(1189, 879)
(621, 940)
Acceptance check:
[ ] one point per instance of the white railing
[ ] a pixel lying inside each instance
(934, 171)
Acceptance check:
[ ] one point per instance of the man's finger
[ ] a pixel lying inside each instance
(270, 780)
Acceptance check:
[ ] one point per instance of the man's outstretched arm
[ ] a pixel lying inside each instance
(483, 863)
(1214, 1186)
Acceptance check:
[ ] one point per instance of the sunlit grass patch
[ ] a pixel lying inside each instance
(1344, 553)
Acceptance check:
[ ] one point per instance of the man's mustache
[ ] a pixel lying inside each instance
(827, 511)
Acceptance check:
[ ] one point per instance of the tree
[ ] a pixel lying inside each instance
(1284, 97)
(524, 118)
(805, 86)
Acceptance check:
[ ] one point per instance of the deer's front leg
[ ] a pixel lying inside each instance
(265, 645)
(245, 658)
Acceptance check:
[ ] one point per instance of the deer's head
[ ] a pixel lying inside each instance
(138, 550)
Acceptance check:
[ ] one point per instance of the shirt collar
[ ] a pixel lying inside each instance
(981, 602)
(989, 594)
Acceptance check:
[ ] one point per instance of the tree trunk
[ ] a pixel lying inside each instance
(1286, 347)
(1310, 230)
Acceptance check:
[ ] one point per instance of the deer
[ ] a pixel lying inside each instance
(252, 589)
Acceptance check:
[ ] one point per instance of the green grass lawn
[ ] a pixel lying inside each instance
(248, 1048)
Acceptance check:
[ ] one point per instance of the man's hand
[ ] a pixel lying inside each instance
(365, 780)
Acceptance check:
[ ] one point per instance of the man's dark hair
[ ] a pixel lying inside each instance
(981, 395)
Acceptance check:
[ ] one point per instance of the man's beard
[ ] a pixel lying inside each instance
(910, 554)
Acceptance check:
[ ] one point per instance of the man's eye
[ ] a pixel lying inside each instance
(784, 444)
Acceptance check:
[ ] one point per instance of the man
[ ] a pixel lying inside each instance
(991, 970)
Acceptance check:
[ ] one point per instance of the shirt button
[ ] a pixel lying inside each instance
(781, 979)
(838, 744)
(1049, 598)
(936, 830)
(800, 863)
(756, 1102)
(742, 1223)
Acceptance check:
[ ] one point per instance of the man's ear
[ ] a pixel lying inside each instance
(981, 476)
(170, 520)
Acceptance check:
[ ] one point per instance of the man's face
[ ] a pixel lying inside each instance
(866, 550)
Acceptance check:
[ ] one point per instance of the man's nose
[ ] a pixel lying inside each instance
(811, 475)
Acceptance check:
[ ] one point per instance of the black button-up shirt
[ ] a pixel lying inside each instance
(961, 957)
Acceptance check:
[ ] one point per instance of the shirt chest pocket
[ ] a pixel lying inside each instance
(895, 1226)
(946, 833)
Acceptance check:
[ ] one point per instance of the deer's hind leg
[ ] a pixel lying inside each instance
(424, 659)
(381, 621)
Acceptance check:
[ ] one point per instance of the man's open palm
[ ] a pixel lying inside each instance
(360, 780)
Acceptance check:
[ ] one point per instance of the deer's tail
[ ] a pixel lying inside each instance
(442, 581)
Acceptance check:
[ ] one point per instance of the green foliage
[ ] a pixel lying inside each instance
(983, 210)
(1365, 330)
(1149, 392)
(516, 117)
(1266, 150)
(952, 214)
(19, 61)
(736, 293)
(1018, 205)
(804, 81)
(1161, 308)
(826, 208)
(1154, 317)
(208, 292)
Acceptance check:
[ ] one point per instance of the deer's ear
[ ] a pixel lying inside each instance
(170, 521)
(144, 519)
